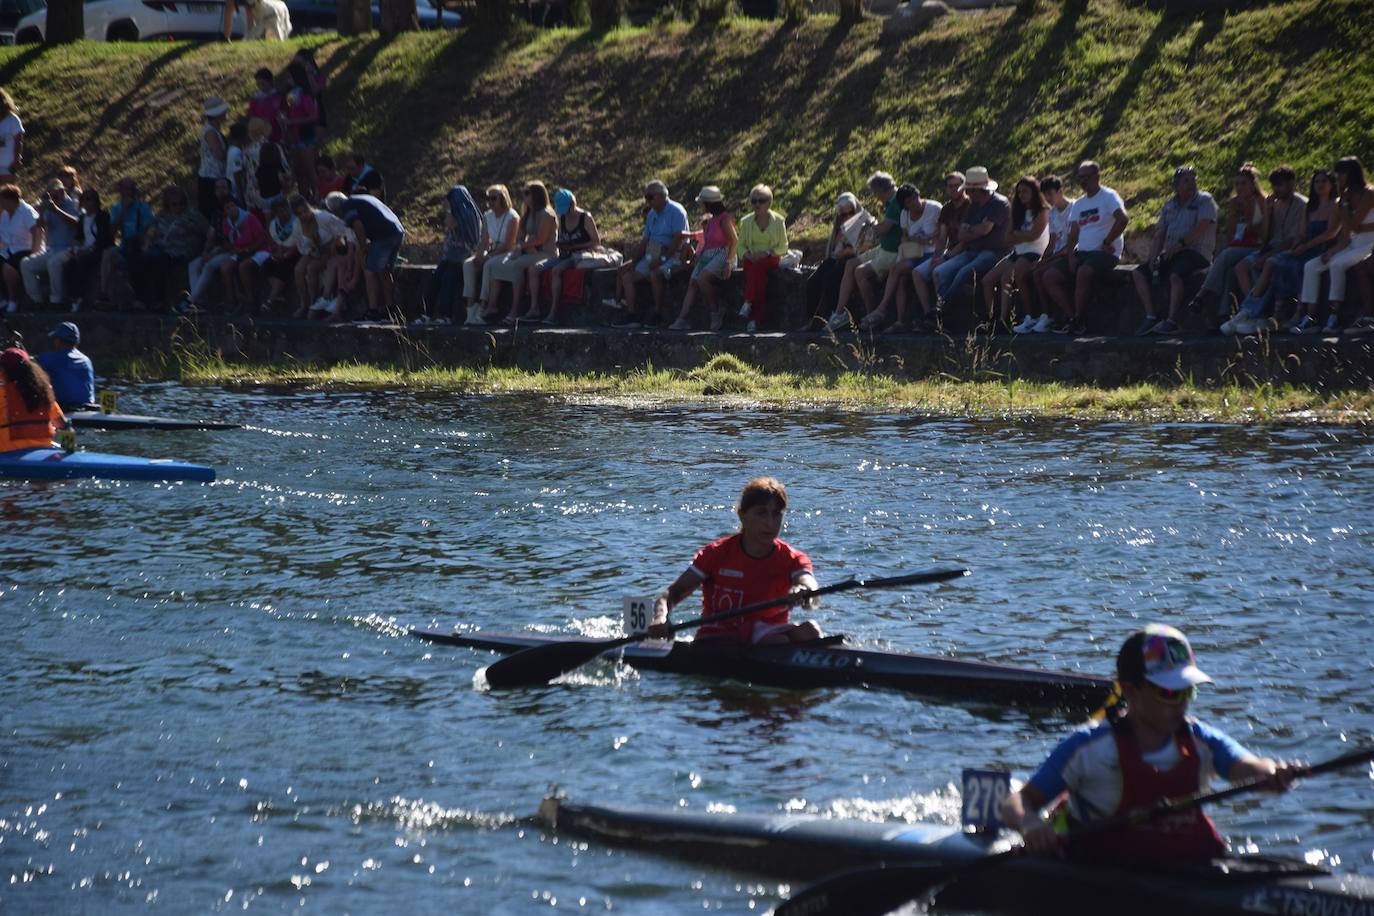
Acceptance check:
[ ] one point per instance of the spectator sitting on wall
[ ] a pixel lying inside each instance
(1097, 221)
(872, 265)
(538, 241)
(70, 370)
(579, 248)
(846, 232)
(94, 239)
(762, 244)
(60, 220)
(380, 234)
(655, 259)
(1028, 235)
(1286, 226)
(462, 235)
(328, 264)
(922, 275)
(920, 227)
(1184, 239)
(500, 230)
(1353, 244)
(361, 178)
(982, 238)
(239, 237)
(176, 237)
(130, 220)
(1246, 216)
(715, 262)
(1280, 278)
(20, 234)
(1052, 188)
(277, 260)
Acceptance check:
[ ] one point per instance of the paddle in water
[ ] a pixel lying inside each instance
(877, 889)
(541, 664)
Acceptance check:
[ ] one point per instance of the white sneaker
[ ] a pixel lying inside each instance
(610, 303)
(475, 315)
(682, 324)
(333, 306)
(1026, 326)
(751, 328)
(1042, 324)
(1229, 326)
(838, 321)
(319, 305)
(1332, 324)
(745, 309)
(76, 306)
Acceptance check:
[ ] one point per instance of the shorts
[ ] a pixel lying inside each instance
(382, 254)
(1183, 264)
(283, 269)
(879, 260)
(1030, 256)
(259, 257)
(762, 630)
(911, 264)
(667, 268)
(555, 263)
(1099, 261)
(14, 258)
(712, 262)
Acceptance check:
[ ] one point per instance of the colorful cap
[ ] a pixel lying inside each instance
(563, 201)
(1161, 655)
(13, 358)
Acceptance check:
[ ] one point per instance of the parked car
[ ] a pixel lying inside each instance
(321, 16)
(11, 11)
(136, 20)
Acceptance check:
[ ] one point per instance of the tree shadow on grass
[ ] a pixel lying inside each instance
(15, 65)
(123, 106)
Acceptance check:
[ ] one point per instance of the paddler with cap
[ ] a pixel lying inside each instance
(29, 415)
(745, 568)
(1149, 751)
(70, 370)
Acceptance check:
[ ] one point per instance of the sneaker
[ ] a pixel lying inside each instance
(1363, 322)
(611, 304)
(1229, 325)
(751, 328)
(1244, 326)
(746, 309)
(442, 321)
(1042, 325)
(1307, 325)
(1079, 329)
(838, 321)
(419, 322)
(1165, 327)
(682, 324)
(1026, 326)
(1332, 324)
(333, 306)
(1146, 326)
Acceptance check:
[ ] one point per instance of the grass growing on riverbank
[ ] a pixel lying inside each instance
(728, 381)
(810, 109)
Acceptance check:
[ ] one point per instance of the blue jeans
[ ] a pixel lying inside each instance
(955, 272)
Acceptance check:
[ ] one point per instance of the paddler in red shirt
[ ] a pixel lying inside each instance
(745, 568)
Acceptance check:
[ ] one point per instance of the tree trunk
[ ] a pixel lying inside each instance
(398, 16)
(851, 10)
(606, 13)
(66, 22)
(494, 14)
(354, 17)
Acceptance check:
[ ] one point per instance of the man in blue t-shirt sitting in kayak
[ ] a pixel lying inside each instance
(73, 376)
(1151, 751)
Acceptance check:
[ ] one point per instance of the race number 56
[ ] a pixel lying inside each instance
(638, 614)
(984, 792)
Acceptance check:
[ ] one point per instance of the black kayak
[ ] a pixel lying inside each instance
(825, 664)
(804, 848)
(94, 419)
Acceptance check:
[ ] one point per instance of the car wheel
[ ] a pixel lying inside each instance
(123, 30)
(29, 37)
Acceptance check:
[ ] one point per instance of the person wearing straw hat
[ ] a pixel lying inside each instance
(715, 262)
(981, 240)
(214, 153)
(1151, 751)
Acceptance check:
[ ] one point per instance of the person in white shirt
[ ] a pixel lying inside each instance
(328, 260)
(920, 224)
(11, 139)
(1097, 221)
(1029, 234)
(1056, 248)
(20, 235)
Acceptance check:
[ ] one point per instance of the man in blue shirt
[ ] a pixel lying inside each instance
(73, 376)
(656, 258)
(60, 217)
(380, 235)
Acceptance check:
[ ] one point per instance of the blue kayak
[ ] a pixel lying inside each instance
(55, 464)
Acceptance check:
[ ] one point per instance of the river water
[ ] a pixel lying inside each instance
(211, 703)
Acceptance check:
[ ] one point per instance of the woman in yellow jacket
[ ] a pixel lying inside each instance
(29, 415)
(762, 243)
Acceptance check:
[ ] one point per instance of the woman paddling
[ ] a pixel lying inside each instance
(1150, 752)
(744, 568)
(29, 415)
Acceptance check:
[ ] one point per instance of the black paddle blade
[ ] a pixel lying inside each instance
(541, 664)
(869, 890)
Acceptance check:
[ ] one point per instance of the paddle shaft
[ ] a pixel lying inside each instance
(884, 889)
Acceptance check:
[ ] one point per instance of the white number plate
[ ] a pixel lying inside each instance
(639, 612)
(984, 792)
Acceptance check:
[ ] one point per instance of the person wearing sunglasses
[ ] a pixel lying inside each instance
(655, 259)
(1149, 751)
(762, 243)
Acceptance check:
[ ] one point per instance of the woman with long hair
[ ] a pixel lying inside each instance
(29, 415)
(300, 119)
(1030, 220)
(1281, 277)
(500, 229)
(1247, 215)
(1354, 242)
(538, 242)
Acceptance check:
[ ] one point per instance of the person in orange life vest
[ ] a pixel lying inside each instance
(745, 568)
(1153, 750)
(29, 415)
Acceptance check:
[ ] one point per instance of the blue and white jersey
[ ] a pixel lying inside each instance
(1087, 766)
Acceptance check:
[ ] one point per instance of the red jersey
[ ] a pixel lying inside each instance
(732, 579)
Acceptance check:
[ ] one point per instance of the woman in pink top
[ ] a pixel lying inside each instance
(715, 261)
(300, 120)
(267, 103)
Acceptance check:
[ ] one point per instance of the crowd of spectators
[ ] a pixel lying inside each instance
(279, 227)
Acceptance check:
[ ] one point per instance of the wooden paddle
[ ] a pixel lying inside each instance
(872, 890)
(541, 664)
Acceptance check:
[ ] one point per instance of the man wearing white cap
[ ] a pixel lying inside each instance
(214, 153)
(982, 239)
(1151, 751)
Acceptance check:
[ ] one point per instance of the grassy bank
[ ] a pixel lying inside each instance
(809, 109)
(727, 381)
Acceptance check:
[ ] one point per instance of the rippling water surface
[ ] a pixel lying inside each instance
(210, 701)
